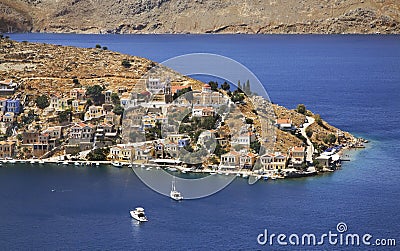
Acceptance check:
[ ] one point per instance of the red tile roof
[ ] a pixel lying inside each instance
(283, 121)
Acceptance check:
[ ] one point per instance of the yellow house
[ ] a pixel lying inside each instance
(273, 161)
(78, 106)
(122, 153)
(58, 103)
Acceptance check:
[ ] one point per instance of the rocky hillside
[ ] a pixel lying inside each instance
(201, 16)
(46, 68)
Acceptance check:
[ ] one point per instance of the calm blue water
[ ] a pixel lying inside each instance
(352, 81)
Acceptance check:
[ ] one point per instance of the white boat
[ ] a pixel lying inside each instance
(12, 161)
(116, 164)
(138, 214)
(238, 175)
(32, 161)
(172, 169)
(97, 164)
(149, 168)
(77, 164)
(65, 163)
(142, 166)
(41, 161)
(175, 195)
(245, 175)
(130, 166)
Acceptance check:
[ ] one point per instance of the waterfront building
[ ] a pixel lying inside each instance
(230, 161)
(298, 156)
(122, 153)
(7, 149)
(81, 133)
(273, 161)
(247, 160)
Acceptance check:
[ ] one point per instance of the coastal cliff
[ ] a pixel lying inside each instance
(201, 16)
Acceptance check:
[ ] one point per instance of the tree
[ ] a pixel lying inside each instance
(249, 121)
(98, 46)
(246, 88)
(42, 101)
(154, 132)
(330, 139)
(225, 86)
(309, 132)
(98, 154)
(214, 85)
(301, 108)
(255, 146)
(126, 63)
(318, 165)
(64, 116)
(105, 48)
(94, 92)
(118, 109)
(89, 102)
(237, 96)
(187, 91)
(115, 99)
(219, 150)
(239, 88)
(318, 119)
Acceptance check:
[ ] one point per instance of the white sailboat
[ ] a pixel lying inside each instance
(175, 195)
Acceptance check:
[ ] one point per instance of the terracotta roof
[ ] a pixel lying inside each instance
(283, 121)
(298, 149)
(176, 88)
(78, 90)
(232, 153)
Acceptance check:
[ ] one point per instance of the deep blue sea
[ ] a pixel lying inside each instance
(352, 81)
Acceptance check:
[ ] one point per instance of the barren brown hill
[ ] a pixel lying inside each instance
(201, 16)
(46, 68)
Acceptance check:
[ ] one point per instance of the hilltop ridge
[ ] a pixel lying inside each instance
(201, 16)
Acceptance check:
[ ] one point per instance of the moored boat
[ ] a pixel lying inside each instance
(174, 194)
(116, 164)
